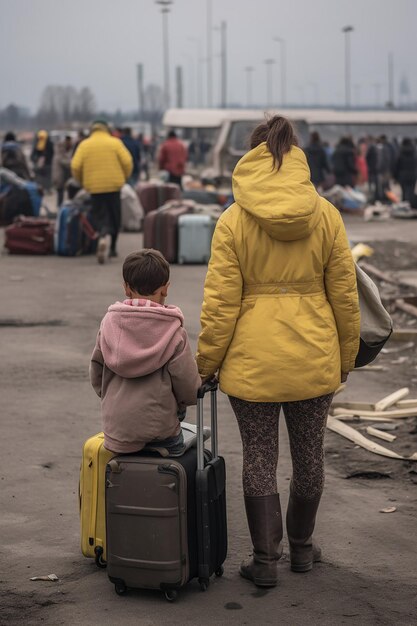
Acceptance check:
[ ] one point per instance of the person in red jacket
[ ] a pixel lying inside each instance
(173, 157)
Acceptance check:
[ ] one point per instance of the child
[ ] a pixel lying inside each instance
(142, 366)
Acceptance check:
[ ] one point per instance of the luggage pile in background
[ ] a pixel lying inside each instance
(154, 194)
(182, 230)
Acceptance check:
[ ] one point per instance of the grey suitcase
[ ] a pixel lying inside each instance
(166, 517)
(195, 232)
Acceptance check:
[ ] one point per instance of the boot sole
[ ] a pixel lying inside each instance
(260, 582)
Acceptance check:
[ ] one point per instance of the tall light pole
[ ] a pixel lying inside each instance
(391, 97)
(249, 70)
(223, 63)
(269, 63)
(347, 30)
(281, 42)
(209, 54)
(165, 4)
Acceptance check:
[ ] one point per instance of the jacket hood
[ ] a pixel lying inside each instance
(285, 203)
(139, 337)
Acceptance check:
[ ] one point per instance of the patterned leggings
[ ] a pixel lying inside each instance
(306, 424)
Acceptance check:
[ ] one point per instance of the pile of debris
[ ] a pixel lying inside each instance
(383, 417)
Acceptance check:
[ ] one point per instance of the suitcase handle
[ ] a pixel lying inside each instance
(210, 386)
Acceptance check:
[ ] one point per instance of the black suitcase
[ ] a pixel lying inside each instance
(166, 517)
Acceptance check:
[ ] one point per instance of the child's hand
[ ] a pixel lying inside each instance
(181, 413)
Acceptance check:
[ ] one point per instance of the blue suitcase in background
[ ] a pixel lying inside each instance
(74, 233)
(195, 232)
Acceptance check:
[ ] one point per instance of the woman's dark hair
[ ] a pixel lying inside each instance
(145, 271)
(279, 136)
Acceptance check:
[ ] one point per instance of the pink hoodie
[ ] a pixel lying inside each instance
(143, 370)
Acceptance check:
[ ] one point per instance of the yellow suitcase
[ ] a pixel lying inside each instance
(92, 498)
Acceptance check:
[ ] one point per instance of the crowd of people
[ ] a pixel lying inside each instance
(370, 164)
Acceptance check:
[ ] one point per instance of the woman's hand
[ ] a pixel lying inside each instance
(344, 377)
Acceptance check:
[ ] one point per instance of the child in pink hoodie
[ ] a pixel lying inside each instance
(142, 366)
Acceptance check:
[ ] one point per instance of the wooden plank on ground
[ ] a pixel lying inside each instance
(359, 418)
(374, 271)
(380, 434)
(356, 406)
(394, 413)
(405, 306)
(404, 334)
(350, 433)
(388, 401)
(405, 404)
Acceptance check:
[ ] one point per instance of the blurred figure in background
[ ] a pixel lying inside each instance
(344, 163)
(41, 157)
(372, 164)
(102, 165)
(134, 148)
(173, 157)
(405, 171)
(61, 166)
(81, 136)
(361, 164)
(317, 160)
(13, 158)
(385, 166)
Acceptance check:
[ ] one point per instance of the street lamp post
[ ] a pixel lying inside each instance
(269, 63)
(281, 42)
(199, 71)
(209, 54)
(347, 30)
(249, 70)
(165, 4)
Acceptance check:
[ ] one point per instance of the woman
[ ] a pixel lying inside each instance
(280, 324)
(344, 163)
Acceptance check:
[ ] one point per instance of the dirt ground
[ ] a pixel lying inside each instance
(49, 314)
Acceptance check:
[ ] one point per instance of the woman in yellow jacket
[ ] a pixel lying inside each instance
(280, 326)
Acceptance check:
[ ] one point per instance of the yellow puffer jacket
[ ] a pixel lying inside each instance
(280, 317)
(101, 163)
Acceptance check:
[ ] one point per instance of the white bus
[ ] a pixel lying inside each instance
(224, 133)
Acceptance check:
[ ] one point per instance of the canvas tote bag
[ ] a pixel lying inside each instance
(376, 322)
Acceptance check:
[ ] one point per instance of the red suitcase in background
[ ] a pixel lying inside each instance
(30, 235)
(160, 228)
(154, 195)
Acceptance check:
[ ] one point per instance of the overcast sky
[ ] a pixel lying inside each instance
(99, 42)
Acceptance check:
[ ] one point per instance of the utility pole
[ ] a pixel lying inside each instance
(165, 4)
(249, 70)
(209, 54)
(141, 97)
(391, 95)
(180, 87)
(347, 30)
(223, 35)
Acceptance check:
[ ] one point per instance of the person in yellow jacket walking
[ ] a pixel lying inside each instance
(102, 164)
(280, 327)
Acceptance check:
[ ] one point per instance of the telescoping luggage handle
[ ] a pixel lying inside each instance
(210, 386)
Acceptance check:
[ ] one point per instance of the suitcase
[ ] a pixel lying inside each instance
(30, 235)
(92, 498)
(160, 228)
(195, 233)
(74, 233)
(166, 518)
(154, 195)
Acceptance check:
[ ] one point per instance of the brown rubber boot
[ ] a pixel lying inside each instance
(301, 518)
(265, 526)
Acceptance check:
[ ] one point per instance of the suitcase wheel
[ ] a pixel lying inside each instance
(100, 562)
(219, 571)
(204, 583)
(120, 588)
(171, 595)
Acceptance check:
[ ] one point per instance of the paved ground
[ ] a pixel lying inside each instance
(49, 313)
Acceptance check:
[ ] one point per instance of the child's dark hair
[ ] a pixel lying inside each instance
(279, 136)
(145, 271)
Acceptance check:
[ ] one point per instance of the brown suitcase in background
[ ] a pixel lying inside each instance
(154, 195)
(30, 235)
(160, 228)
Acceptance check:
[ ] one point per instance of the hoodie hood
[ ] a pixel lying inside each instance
(138, 337)
(285, 203)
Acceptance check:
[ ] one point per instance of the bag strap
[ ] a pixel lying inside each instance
(87, 228)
